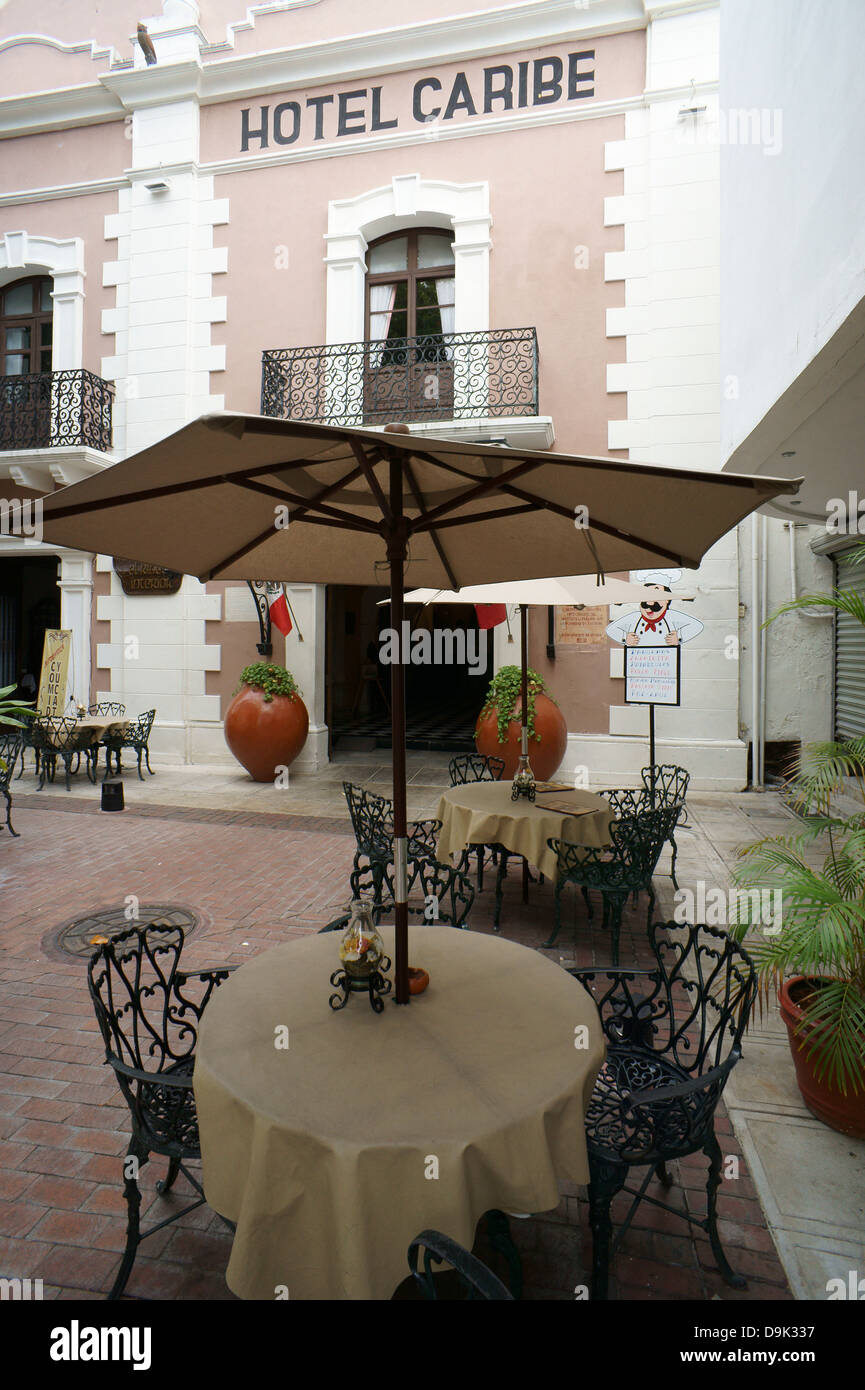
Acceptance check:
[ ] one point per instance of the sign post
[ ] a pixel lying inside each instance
(55, 669)
(653, 676)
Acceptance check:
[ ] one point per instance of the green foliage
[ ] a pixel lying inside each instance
(273, 680)
(13, 712)
(504, 691)
(821, 874)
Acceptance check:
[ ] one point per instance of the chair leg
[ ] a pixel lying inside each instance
(663, 1174)
(590, 911)
(712, 1150)
(605, 1181)
(132, 1194)
(613, 906)
(481, 852)
(147, 760)
(499, 1236)
(165, 1184)
(557, 909)
(673, 863)
(140, 773)
(500, 874)
(9, 815)
(650, 890)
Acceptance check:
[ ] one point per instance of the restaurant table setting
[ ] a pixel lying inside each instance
(332, 1138)
(484, 813)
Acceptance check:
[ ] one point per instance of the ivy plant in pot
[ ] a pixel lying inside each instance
(497, 733)
(267, 723)
(816, 958)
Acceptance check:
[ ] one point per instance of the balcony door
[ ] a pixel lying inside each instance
(408, 369)
(26, 327)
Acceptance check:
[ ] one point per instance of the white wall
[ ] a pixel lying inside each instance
(792, 222)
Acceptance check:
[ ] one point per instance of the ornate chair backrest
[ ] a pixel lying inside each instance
(628, 801)
(139, 731)
(144, 1020)
(637, 842)
(475, 767)
(60, 733)
(474, 1280)
(371, 818)
(709, 985)
(11, 744)
(436, 892)
(106, 708)
(671, 783)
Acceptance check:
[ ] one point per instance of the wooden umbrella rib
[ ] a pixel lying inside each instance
(420, 502)
(480, 490)
(305, 504)
(475, 516)
(368, 471)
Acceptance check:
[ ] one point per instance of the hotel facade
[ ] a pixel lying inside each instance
(492, 223)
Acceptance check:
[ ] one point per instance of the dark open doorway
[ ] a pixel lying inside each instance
(443, 700)
(29, 603)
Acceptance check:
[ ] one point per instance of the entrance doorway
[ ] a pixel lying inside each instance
(29, 603)
(442, 700)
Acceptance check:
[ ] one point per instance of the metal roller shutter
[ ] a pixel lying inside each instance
(849, 656)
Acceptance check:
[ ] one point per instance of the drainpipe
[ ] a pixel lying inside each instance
(756, 784)
(764, 639)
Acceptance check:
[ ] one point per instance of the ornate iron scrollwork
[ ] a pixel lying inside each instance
(441, 376)
(55, 410)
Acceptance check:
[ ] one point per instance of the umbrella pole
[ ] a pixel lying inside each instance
(524, 639)
(396, 553)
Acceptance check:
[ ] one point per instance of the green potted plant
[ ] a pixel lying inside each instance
(817, 957)
(267, 723)
(497, 733)
(13, 712)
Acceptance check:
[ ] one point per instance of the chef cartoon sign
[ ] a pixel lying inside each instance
(656, 624)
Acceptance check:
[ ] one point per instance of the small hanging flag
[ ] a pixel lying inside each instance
(490, 614)
(279, 614)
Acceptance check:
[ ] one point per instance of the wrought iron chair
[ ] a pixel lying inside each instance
(59, 736)
(148, 1010)
(667, 785)
(107, 708)
(673, 1036)
(625, 867)
(476, 767)
(137, 736)
(11, 749)
(473, 1279)
(436, 893)
(372, 822)
(29, 740)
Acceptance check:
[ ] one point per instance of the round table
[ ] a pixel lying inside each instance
(331, 1153)
(482, 813)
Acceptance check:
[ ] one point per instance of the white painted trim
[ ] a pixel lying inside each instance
(520, 431)
(76, 601)
(20, 254)
(408, 201)
(82, 46)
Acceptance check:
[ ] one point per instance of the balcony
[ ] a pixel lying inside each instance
(449, 383)
(55, 410)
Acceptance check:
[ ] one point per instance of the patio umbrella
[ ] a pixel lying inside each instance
(234, 496)
(576, 591)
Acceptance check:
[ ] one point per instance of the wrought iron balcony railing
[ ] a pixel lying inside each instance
(442, 376)
(55, 410)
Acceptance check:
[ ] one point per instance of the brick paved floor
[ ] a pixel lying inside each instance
(253, 881)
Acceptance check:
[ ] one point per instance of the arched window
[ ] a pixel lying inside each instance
(26, 320)
(410, 311)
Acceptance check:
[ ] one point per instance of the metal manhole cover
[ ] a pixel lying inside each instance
(77, 938)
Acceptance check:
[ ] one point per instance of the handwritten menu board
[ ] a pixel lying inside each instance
(652, 675)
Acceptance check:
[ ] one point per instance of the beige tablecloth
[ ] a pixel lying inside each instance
(86, 733)
(482, 813)
(324, 1152)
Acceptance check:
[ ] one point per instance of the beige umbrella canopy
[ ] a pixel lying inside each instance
(249, 497)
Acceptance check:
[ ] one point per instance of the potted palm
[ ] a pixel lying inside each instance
(817, 957)
(267, 723)
(497, 733)
(13, 713)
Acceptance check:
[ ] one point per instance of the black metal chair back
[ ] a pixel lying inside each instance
(436, 893)
(106, 708)
(372, 822)
(11, 749)
(475, 767)
(673, 1037)
(473, 1279)
(149, 1010)
(670, 785)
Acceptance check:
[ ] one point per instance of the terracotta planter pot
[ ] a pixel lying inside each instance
(264, 734)
(544, 756)
(843, 1113)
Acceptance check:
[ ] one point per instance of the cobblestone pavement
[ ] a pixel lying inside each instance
(253, 880)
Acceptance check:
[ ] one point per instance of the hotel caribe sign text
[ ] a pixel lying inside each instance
(497, 89)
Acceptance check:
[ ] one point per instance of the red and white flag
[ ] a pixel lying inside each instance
(490, 614)
(279, 614)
